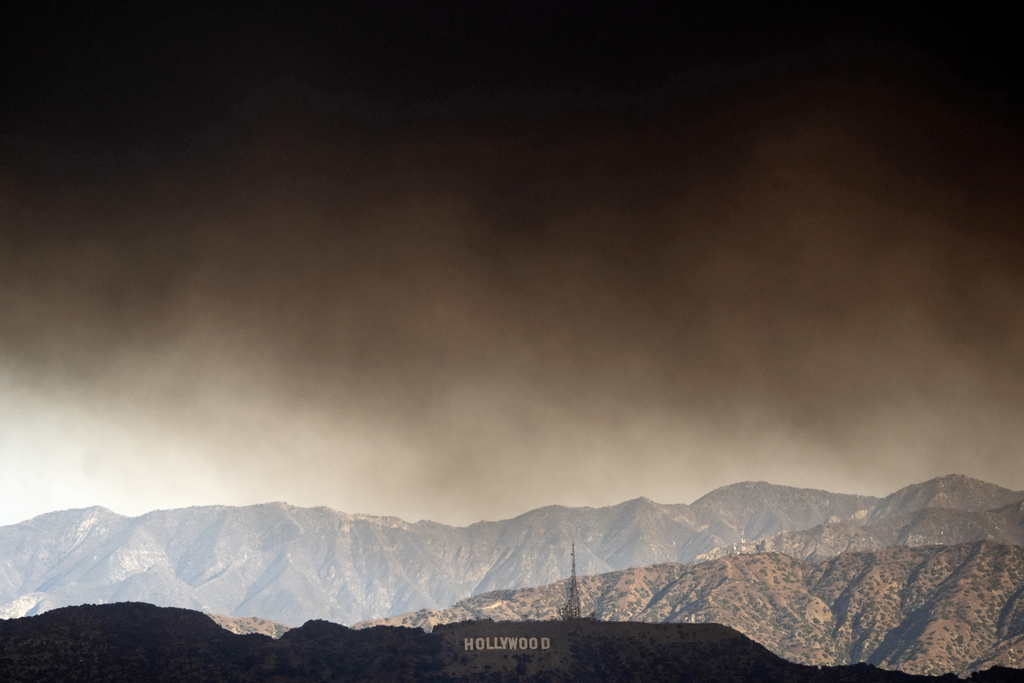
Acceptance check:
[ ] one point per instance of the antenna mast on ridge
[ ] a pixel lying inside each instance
(572, 608)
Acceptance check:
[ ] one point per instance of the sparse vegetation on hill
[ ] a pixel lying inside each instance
(244, 625)
(929, 610)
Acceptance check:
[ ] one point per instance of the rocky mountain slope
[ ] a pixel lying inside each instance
(138, 642)
(291, 564)
(247, 625)
(925, 610)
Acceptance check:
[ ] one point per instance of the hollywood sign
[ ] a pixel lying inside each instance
(503, 643)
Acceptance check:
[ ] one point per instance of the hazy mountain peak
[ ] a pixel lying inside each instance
(643, 502)
(753, 509)
(758, 489)
(950, 491)
(93, 511)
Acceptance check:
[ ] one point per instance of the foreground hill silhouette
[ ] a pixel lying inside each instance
(141, 642)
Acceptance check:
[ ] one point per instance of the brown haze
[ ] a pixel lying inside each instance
(466, 308)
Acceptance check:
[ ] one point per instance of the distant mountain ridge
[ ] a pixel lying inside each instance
(928, 610)
(290, 564)
(928, 526)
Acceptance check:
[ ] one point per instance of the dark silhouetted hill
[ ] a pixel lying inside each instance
(127, 642)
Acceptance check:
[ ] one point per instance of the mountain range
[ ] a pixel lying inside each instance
(290, 564)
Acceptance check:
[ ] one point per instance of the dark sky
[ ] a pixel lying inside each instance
(451, 261)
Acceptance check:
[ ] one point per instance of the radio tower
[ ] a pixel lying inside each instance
(572, 608)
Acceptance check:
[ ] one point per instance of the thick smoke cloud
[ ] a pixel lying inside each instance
(466, 308)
